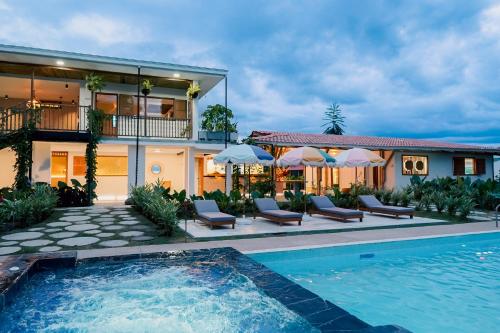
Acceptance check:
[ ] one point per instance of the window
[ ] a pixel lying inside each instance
(415, 165)
(156, 107)
(79, 166)
(468, 166)
(112, 166)
(107, 103)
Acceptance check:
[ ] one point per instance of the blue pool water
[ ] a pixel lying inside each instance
(440, 285)
(146, 296)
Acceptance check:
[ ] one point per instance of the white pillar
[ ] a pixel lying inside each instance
(141, 166)
(195, 117)
(229, 178)
(189, 175)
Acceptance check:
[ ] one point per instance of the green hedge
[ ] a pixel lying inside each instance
(150, 202)
(25, 208)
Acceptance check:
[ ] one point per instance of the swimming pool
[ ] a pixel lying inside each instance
(194, 293)
(447, 284)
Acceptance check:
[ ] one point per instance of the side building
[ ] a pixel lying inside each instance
(404, 158)
(170, 150)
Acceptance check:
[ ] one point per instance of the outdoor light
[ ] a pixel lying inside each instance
(66, 86)
(59, 63)
(6, 97)
(177, 75)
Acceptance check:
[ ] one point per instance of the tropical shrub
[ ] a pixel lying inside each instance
(405, 198)
(387, 197)
(297, 200)
(72, 196)
(150, 201)
(426, 201)
(439, 201)
(452, 205)
(465, 206)
(396, 197)
(25, 208)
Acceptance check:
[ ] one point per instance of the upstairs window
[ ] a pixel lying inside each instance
(415, 165)
(467, 166)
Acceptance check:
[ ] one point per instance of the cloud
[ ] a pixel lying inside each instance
(490, 21)
(4, 5)
(104, 30)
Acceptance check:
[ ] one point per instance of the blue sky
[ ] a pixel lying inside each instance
(421, 69)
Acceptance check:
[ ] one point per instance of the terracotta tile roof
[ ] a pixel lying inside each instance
(372, 142)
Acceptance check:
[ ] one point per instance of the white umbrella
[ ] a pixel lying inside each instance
(244, 154)
(358, 157)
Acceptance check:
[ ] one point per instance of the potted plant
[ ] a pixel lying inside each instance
(146, 87)
(94, 82)
(193, 90)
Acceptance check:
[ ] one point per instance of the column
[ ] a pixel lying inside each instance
(229, 178)
(141, 166)
(189, 165)
(194, 117)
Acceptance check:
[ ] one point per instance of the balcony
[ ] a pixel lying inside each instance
(72, 119)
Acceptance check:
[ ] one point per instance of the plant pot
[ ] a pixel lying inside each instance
(145, 91)
(194, 95)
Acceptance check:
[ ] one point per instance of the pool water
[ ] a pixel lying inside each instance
(146, 296)
(448, 284)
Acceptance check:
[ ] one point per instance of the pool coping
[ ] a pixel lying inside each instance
(387, 240)
(318, 312)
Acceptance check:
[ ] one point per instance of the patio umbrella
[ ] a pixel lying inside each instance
(359, 157)
(306, 156)
(244, 154)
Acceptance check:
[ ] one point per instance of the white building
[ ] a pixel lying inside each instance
(169, 149)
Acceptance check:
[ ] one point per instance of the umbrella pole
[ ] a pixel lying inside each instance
(305, 192)
(244, 190)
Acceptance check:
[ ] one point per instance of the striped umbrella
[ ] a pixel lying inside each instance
(244, 154)
(306, 156)
(359, 157)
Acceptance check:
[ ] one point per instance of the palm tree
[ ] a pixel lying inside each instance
(334, 120)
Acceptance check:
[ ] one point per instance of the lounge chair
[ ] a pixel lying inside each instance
(208, 212)
(372, 205)
(323, 206)
(268, 209)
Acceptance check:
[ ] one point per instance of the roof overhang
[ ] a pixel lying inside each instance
(207, 77)
(259, 138)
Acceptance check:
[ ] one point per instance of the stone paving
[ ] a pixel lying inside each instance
(82, 228)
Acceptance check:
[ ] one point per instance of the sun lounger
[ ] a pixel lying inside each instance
(208, 212)
(372, 205)
(323, 206)
(268, 209)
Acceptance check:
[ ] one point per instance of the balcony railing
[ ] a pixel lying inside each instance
(74, 119)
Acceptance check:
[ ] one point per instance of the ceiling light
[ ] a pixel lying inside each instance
(59, 63)
(66, 86)
(177, 75)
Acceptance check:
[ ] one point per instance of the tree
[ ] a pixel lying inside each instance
(334, 120)
(214, 119)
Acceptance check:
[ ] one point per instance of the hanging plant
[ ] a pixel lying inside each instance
(193, 91)
(147, 86)
(94, 82)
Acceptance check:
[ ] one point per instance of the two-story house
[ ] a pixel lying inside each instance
(144, 139)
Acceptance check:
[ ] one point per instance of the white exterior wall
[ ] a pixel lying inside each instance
(8, 174)
(440, 164)
(41, 162)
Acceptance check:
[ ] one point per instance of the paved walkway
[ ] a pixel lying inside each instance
(314, 223)
(82, 227)
(304, 241)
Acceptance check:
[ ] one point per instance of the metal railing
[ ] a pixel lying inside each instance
(153, 127)
(74, 119)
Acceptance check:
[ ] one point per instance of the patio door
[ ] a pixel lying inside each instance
(108, 103)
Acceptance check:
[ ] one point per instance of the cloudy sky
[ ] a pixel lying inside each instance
(422, 69)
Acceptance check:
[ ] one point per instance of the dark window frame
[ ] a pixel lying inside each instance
(475, 159)
(414, 174)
